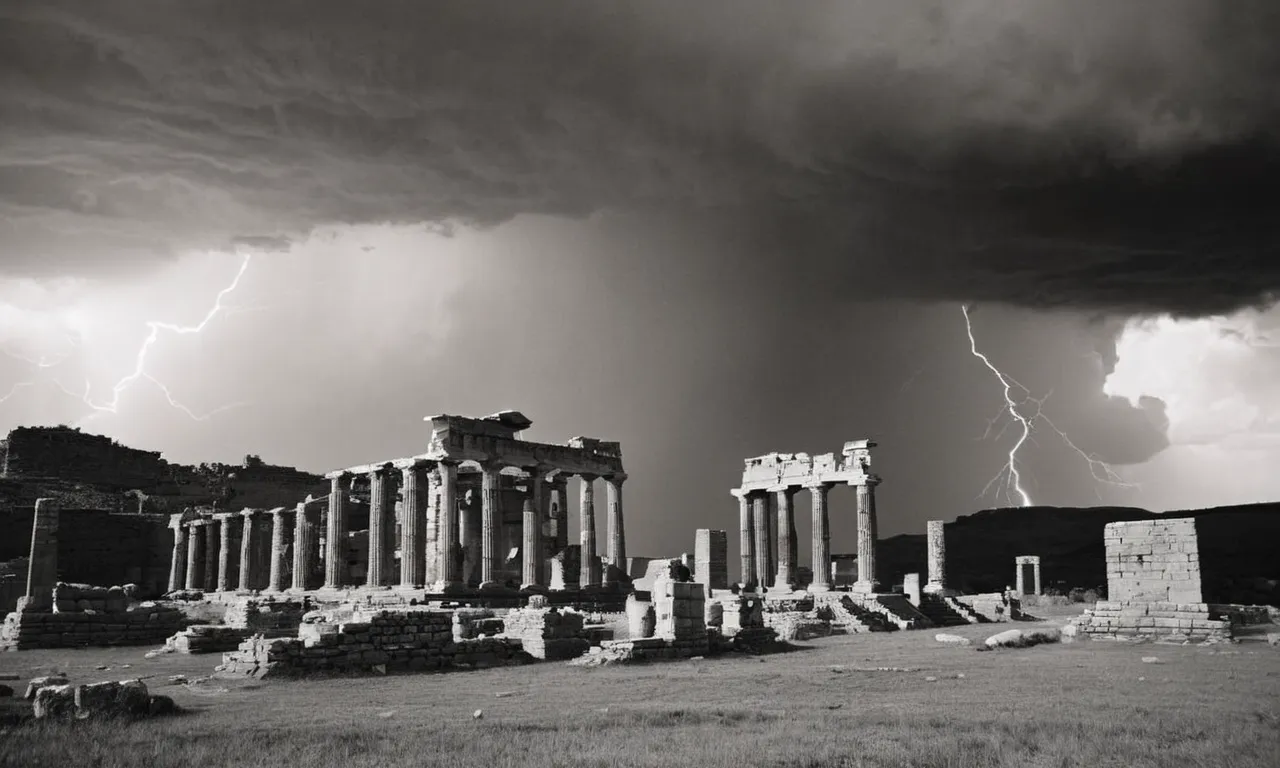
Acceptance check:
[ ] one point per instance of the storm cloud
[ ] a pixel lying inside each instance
(1117, 157)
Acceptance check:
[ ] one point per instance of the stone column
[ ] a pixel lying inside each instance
(1035, 566)
(224, 551)
(531, 542)
(193, 555)
(785, 578)
(249, 564)
(937, 556)
(304, 546)
(279, 551)
(490, 519)
(42, 569)
(431, 528)
(560, 503)
(821, 538)
(448, 569)
(866, 582)
(746, 539)
(210, 555)
(617, 532)
(469, 536)
(335, 536)
(587, 533)
(413, 523)
(178, 565)
(382, 523)
(760, 517)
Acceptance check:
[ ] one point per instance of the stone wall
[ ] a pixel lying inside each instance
(90, 616)
(98, 547)
(1153, 561)
(1173, 622)
(269, 616)
(547, 633)
(680, 615)
(388, 641)
(73, 455)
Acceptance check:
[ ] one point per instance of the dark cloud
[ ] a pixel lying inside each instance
(1091, 154)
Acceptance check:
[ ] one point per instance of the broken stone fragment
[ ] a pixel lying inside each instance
(111, 699)
(54, 702)
(40, 682)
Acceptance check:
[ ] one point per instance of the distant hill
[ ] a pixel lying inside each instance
(1238, 549)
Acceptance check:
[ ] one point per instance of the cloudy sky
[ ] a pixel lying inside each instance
(706, 230)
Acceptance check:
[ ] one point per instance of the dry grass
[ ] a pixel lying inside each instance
(1087, 703)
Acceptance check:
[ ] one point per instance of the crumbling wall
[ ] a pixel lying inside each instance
(89, 616)
(269, 616)
(1153, 581)
(388, 641)
(547, 633)
(73, 455)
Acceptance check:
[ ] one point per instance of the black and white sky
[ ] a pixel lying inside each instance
(707, 230)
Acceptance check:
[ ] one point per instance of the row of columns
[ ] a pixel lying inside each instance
(203, 553)
(759, 562)
(200, 562)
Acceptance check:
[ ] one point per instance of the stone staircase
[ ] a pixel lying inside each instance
(901, 611)
(946, 611)
(848, 616)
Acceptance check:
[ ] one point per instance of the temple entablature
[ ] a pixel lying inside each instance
(764, 473)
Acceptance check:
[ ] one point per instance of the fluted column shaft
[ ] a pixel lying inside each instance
(587, 533)
(490, 516)
(193, 556)
(866, 538)
(760, 515)
(304, 546)
(178, 565)
(382, 510)
(210, 572)
(746, 540)
(335, 537)
(531, 542)
(413, 523)
(279, 551)
(469, 535)
(617, 532)
(224, 553)
(937, 544)
(248, 562)
(785, 577)
(448, 568)
(821, 538)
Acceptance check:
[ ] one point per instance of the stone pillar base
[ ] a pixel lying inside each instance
(533, 589)
(932, 589)
(447, 588)
(819, 588)
(864, 587)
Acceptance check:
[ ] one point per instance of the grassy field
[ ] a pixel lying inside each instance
(828, 703)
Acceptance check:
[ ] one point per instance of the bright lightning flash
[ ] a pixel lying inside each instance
(1010, 471)
(139, 369)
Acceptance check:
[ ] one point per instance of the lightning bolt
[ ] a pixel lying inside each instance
(1101, 471)
(139, 370)
(1010, 407)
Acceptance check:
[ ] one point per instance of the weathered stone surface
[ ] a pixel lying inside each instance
(111, 699)
(54, 702)
(711, 558)
(950, 639)
(1017, 638)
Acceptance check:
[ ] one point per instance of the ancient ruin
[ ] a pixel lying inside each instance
(769, 485)
(1153, 586)
(1027, 575)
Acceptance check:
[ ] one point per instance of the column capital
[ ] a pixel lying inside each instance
(224, 516)
(248, 512)
(738, 493)
(783, 488)
(339, 474)
(617, 478)
(382, 469)
(277, 511)
(588, 477)
(814, 485)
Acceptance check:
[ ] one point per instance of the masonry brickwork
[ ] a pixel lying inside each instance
(83, 616)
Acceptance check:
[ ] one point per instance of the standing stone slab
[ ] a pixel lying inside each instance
(711, 558)
(42, 573)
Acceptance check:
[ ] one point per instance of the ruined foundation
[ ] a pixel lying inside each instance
(1153, 582)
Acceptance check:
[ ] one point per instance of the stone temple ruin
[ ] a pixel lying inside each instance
(458, 557)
